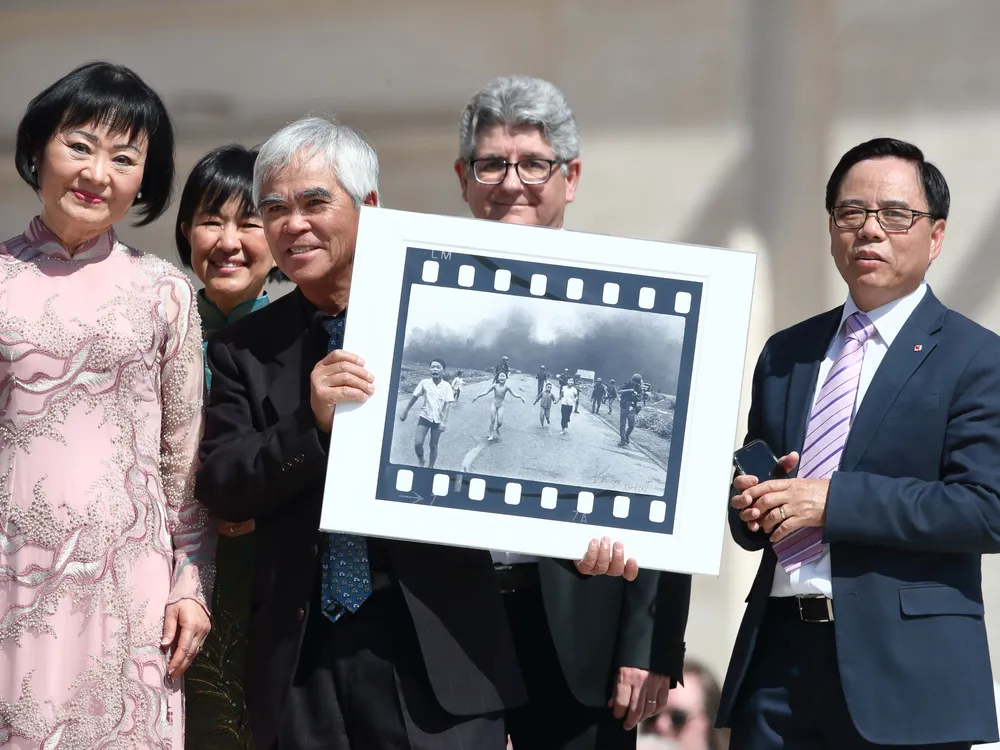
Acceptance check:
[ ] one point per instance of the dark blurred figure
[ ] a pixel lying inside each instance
(631, 397)
(503, 367)
(612, 394)
(597, 396)
(542, 378)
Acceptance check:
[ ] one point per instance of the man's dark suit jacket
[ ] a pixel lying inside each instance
(263, 457)
(912, 509)
(600, 623)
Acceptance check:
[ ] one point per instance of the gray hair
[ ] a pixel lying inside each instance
(345, 151)
(518, 101)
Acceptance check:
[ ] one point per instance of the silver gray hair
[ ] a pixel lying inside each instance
(344, 150)
(515, 101)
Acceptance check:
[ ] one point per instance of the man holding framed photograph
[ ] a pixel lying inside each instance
(599, 654)
(356, 643)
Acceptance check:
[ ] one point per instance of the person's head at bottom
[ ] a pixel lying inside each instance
(687, 724)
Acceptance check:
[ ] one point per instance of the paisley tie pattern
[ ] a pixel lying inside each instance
(346, 571)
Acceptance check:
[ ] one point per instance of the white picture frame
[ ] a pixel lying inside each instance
(408, 263)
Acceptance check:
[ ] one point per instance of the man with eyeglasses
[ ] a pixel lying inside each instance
(864, 626)
(598, 654)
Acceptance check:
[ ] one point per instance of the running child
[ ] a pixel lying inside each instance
(500, 389)
(438, 396)
(547, 397)
(568, 398)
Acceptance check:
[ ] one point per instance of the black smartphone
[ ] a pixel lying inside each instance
(757, 459)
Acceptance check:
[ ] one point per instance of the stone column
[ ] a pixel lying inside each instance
(792, 93)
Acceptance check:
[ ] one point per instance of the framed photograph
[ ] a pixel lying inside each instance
(537, 388)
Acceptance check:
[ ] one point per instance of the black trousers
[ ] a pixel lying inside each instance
(626, 423)
(553, 719)
(792, 697)
(361, 684)
(567, 412)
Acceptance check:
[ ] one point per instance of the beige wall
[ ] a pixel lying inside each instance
(711, 122)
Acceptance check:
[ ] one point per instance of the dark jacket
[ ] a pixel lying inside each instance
(264, 458)
(912, 510)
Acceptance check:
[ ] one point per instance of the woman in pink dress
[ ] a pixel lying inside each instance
(105, 557)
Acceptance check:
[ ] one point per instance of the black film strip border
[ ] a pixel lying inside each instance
(552, 501)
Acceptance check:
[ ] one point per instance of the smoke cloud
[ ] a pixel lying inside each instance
(614, 343)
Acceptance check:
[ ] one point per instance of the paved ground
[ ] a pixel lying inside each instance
(587, 455)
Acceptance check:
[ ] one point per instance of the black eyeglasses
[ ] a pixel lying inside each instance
(890, 219)
(492, 171)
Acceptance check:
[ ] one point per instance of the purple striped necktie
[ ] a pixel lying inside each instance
(826, 435)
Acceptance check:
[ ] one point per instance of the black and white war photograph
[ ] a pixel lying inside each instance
(537, 389)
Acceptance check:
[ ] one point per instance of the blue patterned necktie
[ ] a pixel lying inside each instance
(347, 576)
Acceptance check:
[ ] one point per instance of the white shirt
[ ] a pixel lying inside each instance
(568, 396)
(814, 577)
(435, 397)
(457, 384)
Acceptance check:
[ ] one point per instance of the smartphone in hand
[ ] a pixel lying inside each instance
(757, 459)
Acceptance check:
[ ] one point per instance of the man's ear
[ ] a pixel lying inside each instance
(572, 178)
(463, 179)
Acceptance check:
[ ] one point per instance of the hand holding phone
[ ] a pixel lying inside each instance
(758, 460)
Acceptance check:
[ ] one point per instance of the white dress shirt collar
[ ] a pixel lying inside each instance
(890, 318)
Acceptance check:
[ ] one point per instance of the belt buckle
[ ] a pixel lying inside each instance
(829, 608)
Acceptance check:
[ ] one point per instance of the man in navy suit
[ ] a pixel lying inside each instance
(864, 627)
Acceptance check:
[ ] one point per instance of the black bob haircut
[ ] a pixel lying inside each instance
(931, 180)
(220, 176)
(114, 97)
(440, 362)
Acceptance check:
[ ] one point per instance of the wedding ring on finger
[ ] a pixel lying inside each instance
(781, 512)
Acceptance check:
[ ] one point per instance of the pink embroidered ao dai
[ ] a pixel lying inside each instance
(100, 416)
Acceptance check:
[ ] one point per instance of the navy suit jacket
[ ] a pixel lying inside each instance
(914, 506)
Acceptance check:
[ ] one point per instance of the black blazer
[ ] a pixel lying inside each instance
(263, 457)
(599, 624)
(915, 505)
